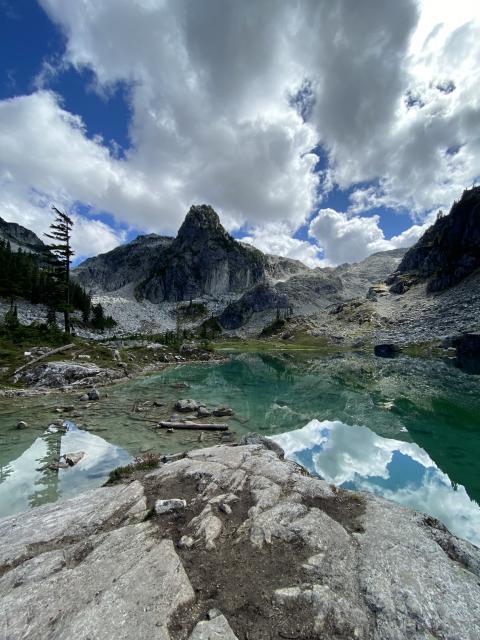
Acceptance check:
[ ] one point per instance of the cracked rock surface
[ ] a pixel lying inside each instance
(272, 553)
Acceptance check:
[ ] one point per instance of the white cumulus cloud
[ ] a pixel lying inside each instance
(277, 240)
(233, 103)
(351, 239)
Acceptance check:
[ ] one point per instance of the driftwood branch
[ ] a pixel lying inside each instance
(45, 355)
(194, 426)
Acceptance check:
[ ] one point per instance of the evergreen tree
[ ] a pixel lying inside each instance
(62, 251)
(11, 317)
(100, 320)
(32, 277)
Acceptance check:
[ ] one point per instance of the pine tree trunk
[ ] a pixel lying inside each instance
(66, 317)
(66, 314)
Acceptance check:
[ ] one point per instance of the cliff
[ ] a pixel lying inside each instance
(448, 251)
(123, 265)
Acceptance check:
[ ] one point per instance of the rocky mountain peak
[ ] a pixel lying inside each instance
(201, 224)
(203, 260)
(201, 215)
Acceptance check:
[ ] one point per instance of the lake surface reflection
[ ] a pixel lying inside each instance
(28, 482)
(404, 428)
(354, 457)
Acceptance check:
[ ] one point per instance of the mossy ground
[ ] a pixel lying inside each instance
(296, 341)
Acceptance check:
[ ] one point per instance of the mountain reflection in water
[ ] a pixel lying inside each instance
(354, 457)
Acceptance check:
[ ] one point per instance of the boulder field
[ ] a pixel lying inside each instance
(258, 550)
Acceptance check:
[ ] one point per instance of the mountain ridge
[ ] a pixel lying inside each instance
(22, 238)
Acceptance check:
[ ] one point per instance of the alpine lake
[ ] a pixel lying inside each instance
(404, 428)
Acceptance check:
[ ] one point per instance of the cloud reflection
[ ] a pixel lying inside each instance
(26, 485)
(355, 457)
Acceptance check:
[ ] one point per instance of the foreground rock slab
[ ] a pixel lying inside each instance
(271, 553)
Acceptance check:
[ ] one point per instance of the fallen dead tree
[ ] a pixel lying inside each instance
(45, 355)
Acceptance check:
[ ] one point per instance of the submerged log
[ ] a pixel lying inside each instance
(194, 426)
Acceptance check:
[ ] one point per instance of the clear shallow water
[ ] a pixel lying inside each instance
(404, 428)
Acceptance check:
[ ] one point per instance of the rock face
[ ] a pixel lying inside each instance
(279, 268)
(358, 278)
(311, 290)
(123, 265)
(238, 285)
(203, 260)
(448, 251)
(260, 298)
(60, 374)
(21, 238)
(290, 558)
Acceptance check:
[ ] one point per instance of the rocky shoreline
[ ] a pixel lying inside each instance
(71, 376)
(252, 547)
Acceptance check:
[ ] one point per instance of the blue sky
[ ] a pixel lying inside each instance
(305, 139)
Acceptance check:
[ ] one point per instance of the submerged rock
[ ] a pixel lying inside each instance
(387, 350)
(93, 395)
(56, 427)
(222, 411)
(186, 406)
(73, 458)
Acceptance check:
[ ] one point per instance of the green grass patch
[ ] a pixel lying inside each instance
(14, 342)
(145, 462)
(298, 342)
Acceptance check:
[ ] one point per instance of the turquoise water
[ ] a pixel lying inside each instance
(407, 429)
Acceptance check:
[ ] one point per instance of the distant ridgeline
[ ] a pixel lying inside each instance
(448, 251)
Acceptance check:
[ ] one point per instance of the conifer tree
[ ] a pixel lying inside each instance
(61, 249)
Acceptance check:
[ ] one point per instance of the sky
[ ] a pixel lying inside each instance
(323, 131)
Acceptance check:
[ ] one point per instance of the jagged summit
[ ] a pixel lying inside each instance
(201, 218)
(203, 260)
